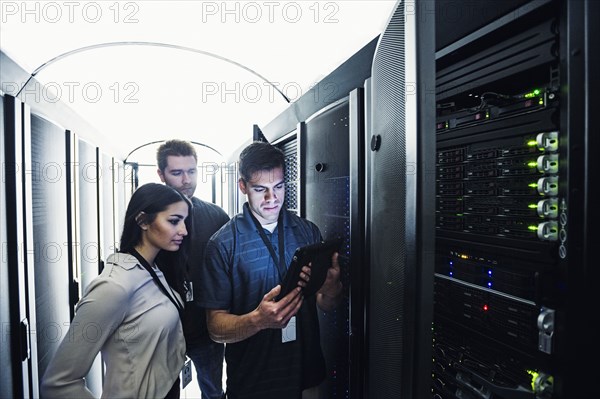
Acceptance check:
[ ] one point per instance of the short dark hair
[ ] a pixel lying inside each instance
(258, 156)
(178, 148)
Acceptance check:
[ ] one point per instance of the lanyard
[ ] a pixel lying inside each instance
(279, 262)
(150, 270)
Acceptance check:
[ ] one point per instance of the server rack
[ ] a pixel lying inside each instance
(512, 184)
(321, 156)
(323, 140)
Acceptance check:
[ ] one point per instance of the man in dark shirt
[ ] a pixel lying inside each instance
(273, 349)
(178, 168)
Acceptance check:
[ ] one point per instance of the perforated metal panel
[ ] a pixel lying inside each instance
(89, 235)
(50, 236)
(109, 242)
(393, 207)
(292, 176)
(325, 165)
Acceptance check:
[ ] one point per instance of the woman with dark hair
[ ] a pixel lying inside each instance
(131, 312)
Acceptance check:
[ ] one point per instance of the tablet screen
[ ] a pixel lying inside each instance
(320, 255)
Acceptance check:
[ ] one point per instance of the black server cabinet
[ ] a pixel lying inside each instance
(317, 188)
(325, 200)
(88, 233)
(511, 224)
(399, 209)
(324, 183)
(18, 262)
(50, 208)
(5, 350)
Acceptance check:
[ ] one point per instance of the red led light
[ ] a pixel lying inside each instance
(485, 308)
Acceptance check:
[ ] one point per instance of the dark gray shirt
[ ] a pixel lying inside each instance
(207, 218)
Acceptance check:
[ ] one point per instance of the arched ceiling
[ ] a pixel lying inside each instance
(199, 70)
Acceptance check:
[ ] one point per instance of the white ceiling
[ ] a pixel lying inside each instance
(198, 84)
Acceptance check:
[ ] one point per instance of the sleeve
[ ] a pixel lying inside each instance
(98, 315)
(216, 288)
(224, 216)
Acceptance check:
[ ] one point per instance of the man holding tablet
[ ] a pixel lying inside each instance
(273, 347)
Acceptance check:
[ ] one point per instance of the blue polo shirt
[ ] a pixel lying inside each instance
(238, 272)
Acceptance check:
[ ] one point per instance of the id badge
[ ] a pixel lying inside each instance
(189, 294)
(186, 373)
(288, 334)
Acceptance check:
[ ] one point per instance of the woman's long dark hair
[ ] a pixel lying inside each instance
(148, 200)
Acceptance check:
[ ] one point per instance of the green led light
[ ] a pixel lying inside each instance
(532, 185)
(534, 376)
(459, 214)
(531, 143)
(532, 206)
(532, 164)
(532, 94)
(532, 228)
(541, 102)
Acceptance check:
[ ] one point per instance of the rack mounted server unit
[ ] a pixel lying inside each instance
(512, 184)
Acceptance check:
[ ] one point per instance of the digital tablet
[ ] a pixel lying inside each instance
(320, 255)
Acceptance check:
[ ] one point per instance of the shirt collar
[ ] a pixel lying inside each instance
(245, 225)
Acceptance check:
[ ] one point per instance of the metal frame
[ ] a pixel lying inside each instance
(19, 244)
(359, 268)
